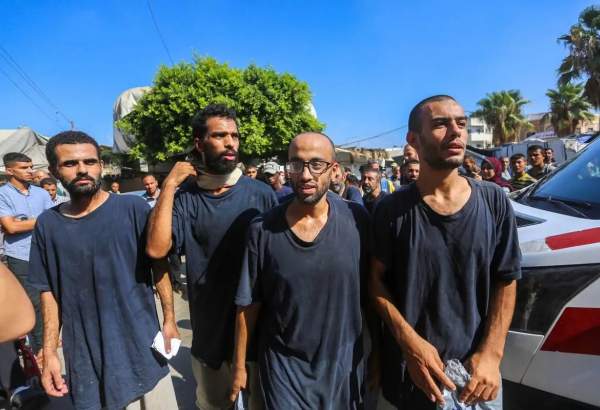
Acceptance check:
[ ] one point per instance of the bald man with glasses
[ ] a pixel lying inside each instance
(307, 293)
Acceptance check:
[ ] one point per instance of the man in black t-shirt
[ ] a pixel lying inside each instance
(440, 296)
(206, 219)
(371, 185)
(307, 292)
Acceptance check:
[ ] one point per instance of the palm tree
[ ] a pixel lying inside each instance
(583, 61)
(503, 111)
(568, 107)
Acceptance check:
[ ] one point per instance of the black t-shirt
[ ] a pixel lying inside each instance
(371, 203)
(310, 342)
(441, 269)
(210, 230)
(96, 268)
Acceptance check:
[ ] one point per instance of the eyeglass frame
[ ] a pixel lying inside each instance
(306, 164)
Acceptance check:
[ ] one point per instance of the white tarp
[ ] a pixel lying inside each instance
(124, 105)
(26, 141)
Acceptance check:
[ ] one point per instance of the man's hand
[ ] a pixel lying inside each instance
(425, 367)
(52, 379)
(485, 379)
(169, 332)
(179, 173)
(238, 383)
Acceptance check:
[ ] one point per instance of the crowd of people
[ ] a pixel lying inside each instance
(308, 289)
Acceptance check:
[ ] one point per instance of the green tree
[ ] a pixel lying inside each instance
(271, 107)
(568, 107)
(503, 111)
(583, 61)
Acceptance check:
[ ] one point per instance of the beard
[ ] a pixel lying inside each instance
(217, 164)
(81, 190)
(336, 187)
(310, 199)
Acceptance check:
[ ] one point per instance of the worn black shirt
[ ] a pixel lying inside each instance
(310, 348)
(210, 230)
(441, 269)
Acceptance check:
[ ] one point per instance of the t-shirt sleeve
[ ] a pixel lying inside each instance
(5, 206)
(506, 262)
(178, 223)
(39, 274)
(249, 287)
(381, 233)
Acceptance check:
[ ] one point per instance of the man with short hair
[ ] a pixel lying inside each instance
(411, 170)
(520, 178)
(537, 167)
(152, 191)
(339, 186)
(21, 203)
(207, 221)
(273, 178)
(442, 297)
(306, 291)
(251, 171)
(115, 188)
(505, 161)
(97, 283)
(49, 185)
(371, 186)
(549, 156)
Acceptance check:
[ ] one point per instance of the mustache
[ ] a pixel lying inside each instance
(454, 142)
(228, 153)
(82, 178)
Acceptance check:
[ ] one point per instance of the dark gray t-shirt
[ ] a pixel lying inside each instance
(96, 268)
(441, 269)
(310, 341)
(211, 231)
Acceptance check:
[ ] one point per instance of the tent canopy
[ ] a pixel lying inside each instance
(26, 141)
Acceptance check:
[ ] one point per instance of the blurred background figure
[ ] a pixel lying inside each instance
(50, 186)
(251, 171)
(115, 188)
(491, 171)
(152, 191)
(412, 168)
(272, 177)
(38, 176)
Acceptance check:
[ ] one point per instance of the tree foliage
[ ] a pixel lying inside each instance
(503, 110)
(271, 108)
(568, 106)
(583, 61)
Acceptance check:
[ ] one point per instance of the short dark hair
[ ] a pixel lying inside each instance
(549, 148)
(67, 137)
(199, 121)
(47, 181)
(411, 161)
(12, 157)
(517, 156)
(364, 170)
(414, 118)
(536, 147)
(146, 175)
(352, 179)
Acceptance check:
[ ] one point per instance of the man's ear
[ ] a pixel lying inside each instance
(412, 139)
(9, 171)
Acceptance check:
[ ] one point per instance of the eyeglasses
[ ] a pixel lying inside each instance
(315, 166)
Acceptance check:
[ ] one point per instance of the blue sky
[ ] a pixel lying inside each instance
(367, 62)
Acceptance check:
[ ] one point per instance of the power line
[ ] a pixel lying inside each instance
(12, 62)
(374, 136)
(27, 95)
(162, 40)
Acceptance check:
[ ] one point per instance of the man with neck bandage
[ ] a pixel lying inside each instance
(206, 219)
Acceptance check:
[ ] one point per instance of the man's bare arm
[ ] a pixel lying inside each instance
(52, 379)
(160, 225)
(16, 311)
(485, 362)
(162, 281)
(245, 323)
(422, 359)
(12, 226)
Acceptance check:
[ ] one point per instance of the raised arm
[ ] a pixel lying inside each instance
(245, 323)
(422, 359)
(160, 226)
(162, 281)
(52, 379)
(16, 312)
(484, 364)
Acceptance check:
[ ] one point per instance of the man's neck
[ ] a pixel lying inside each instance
(375, 193)
(21, 186)
(538, 167)
(300, 210)
(83, 205)
(434, 181)
(519, 174)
